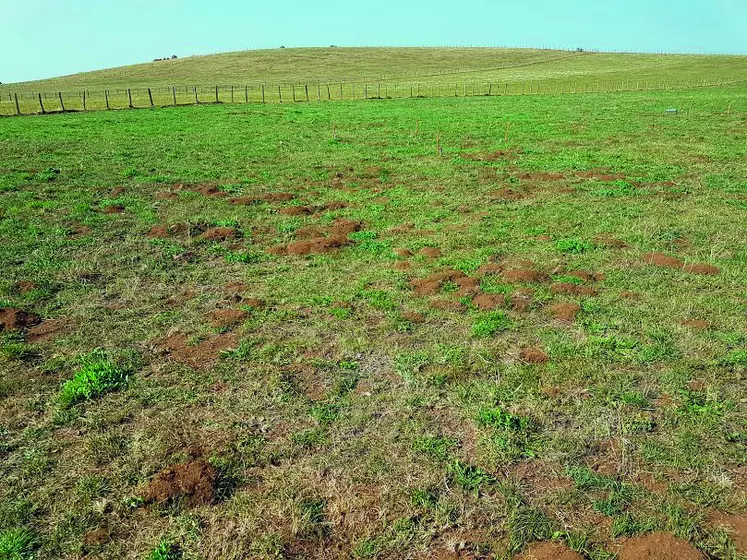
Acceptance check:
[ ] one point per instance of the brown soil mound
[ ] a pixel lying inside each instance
(521, 300)
(225, 318)
(403, 253)
(210, 190)
(402, 266)
(296, 211)
(432, 284)
(586, 275)
(413, 317)
(78, 231)
(658, 546)
(204, 354)
(219, 233)
(660, 259)
(158, 232)
(736, 525)
(702, 268)
(46, 330)
(335, 205)
(24, 286)
(166, 195)
(488, 269)
(565, 311)
(573, 289)
(277, 197)
(601, 174)
(254, 303)
(345, 227)
(446, 305)
(194, 481)
(541, 176)
(317, 245)
(467, 286)
(524, 275)
(549, 551)
(113, 209)
(430, 252)
(17, 319)
(533, 356)
(488, 302)
(609, 242)
(234, 288)
(308, 232)
(697, 324)
(96, 537)
(506, 194)
(116, 191)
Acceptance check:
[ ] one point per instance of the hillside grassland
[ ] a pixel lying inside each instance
(416, 328)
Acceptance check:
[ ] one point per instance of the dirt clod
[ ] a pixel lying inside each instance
(317, 245)
(403, 253)
(12, 318)
(194, 481)
(432, 284)
(219, 233)
(549, 551)
(345, 227)
(296, 211)
(430, 252)
(658, 546)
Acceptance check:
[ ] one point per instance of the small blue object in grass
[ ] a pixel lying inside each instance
(671, 111)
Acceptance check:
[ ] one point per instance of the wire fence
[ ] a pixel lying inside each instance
(34, 103)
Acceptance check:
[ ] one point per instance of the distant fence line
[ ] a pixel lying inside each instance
(17, 104)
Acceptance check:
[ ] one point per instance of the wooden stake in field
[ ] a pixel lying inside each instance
(197, 101)
(280, 95)
(232, 94)
(150, 97)
(106, 98)
(18, 108)
(41, 104)
(62, 105)
(84, 100)
(173, 94)
(216, 95)
(306, 89)
(263, 94)
(129, 97)
(246, 94)
(508, 128)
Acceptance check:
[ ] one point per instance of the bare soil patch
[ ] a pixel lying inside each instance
(489, 269)
(565, 312)
(402, 266)
(432, 284)
(702, 268)
(658, 546)
(662, 260)
(201, 355)
(227, 318)
(549, 551)
(317, 245)
(430, 252)
(167, 195)
(23, 287)
(47, 330)
(521, 300)
(403, 253)
(541, 176)
(296, 211)
(533, 356)
(12, 318)
(413, 317)
(194, 481)
(113, 209)
(734, 524)
(489, 302)
(506, 194)
(219, 233)
(610, 242)
(697, 324)
(524, 275)
(586, 275)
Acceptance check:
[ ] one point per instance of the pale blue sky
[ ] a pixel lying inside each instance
(44, 38)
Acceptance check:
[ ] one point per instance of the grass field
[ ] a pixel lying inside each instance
(304, 331)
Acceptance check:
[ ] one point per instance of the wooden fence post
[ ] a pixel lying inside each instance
(263, 93)
(246, 94)
(340, 91)
(62, 105)
(490, 89)
(18, 108)
(129, 97)
(173, 94)
(106, 98)
(194, 89)
(41, 104)
(150, 96)
(280, 95)
(306, 89)
(232, 94)
(216, 95)
(293, 89)
(84, 100)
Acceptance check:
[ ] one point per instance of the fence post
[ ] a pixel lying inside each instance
(293, 89)
(194, 89)
(62, 105)
(106, 98)
(173, 94)
(365, 91)
(246, 94)
(378, 90)
(340, 91)
(216, 95)
(329, 94)
(280, 95)
(41, 104)
(232, 94)
(263, 93)
(129, 97)
(84, 100)
(150, 96)
(18, 108)
(306, 89)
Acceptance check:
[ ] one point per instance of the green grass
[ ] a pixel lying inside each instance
(351, 415)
